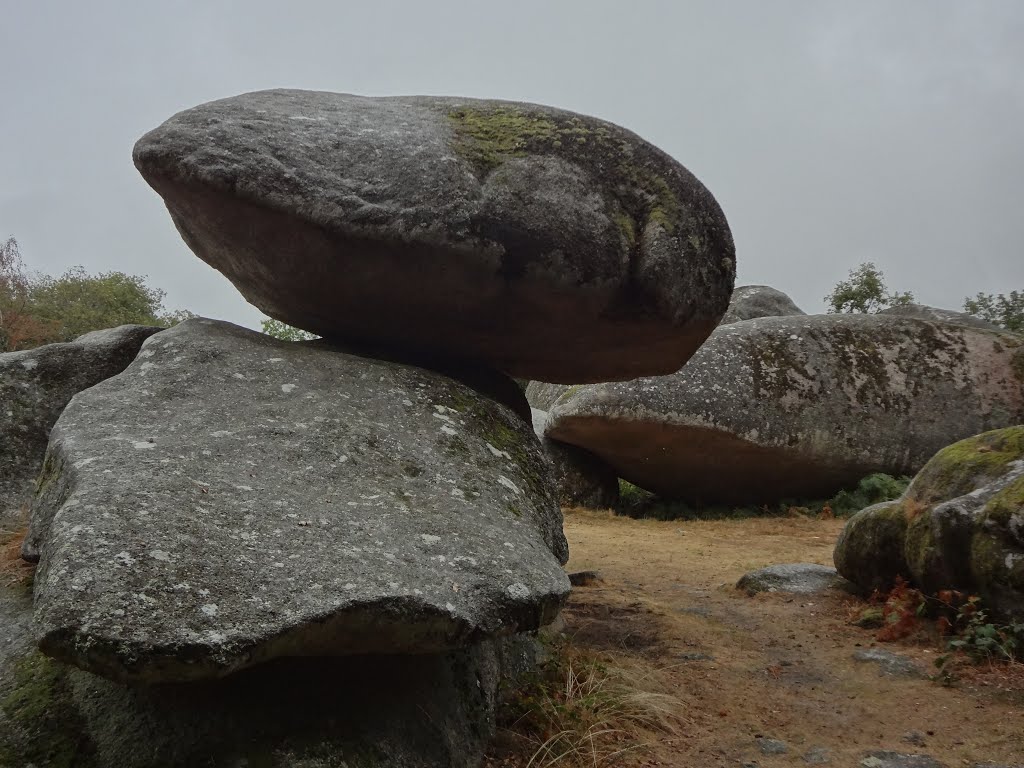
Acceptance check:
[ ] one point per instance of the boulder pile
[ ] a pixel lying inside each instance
(959, 526)
(234, 517)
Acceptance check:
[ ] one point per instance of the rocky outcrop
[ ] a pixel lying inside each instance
(752, 301)
(231, 499)
(798, 407)
(581, 479)
(960, 525)
(546, 244)
(923, 312)
(35, 385)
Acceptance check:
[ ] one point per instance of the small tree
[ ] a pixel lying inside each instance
(285, 332)
(865, 292)
(1002, 310)
(76, 302)
(19, 328)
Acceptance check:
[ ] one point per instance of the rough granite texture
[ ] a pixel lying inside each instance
(423, 711)
(547, 244)
(231, 498)
(924, 312)
(959, 525)
(797, 407)
(582, 479)
(752, 301)
(797, 578)
(35, 385)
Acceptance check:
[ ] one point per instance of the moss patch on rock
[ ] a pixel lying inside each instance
(638, 194)
(51, 730)
(964, 466)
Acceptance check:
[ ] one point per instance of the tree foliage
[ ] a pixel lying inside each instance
(1006, 311)
(865, 291)
(285, 332)
(40, 309)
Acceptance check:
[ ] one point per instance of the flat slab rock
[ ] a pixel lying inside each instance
(796, 407)
(35, 385)
(231, 498)
(547, 244)
(797, 578)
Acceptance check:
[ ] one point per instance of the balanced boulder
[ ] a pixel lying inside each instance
(751, 301)
(231, 498)
(546, 244)
(799, 407)
(35, 385)
(960, 525)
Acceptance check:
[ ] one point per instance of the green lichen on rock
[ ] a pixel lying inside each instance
(870, 550)
(961, 467)
(638, 195)
(51, 731)
(1007, 504)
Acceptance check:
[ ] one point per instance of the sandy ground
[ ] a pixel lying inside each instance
(781, 667)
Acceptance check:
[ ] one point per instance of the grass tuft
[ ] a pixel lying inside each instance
(583, 710)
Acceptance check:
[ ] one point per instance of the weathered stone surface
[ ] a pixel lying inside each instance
(231, 498)
(924, 312)
(752, 301)
(797, 578)
(960, 525)
(881, 758)
(582, 479)
(889, 663)
(548, 244)
(35, 385)
(425, 711)
(798, 407)
(542, 396)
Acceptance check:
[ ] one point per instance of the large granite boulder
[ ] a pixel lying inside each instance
(752, 301)
(581, 479)
(548, 244)
(799, 407)
(924, 312)
(231, 498)
(960, 525)
(35, 385)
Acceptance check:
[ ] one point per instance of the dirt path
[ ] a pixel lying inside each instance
(771, 666)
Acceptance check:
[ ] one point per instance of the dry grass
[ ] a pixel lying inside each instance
(588, 711)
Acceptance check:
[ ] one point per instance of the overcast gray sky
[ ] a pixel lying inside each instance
(831, 133)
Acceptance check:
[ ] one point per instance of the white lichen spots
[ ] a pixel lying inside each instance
(221, 433)
(29, 364)
(407, 402)
(504, 481)
(85, 462)
(215, 637)
(144, 368)
(509, 545)
(204, 593)
(1011, 560)
(449, 607)
(245, 487)
(275, 359)
(449, 430)
(159, 554)
(288, 388)
(518, 590)
(123, 558)
(350, 586)
(240, 376)
(209, 609)
(457, 493)
(429, 539)
(146, 353)
(495, 452)
(143, 445)
(279, 565)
